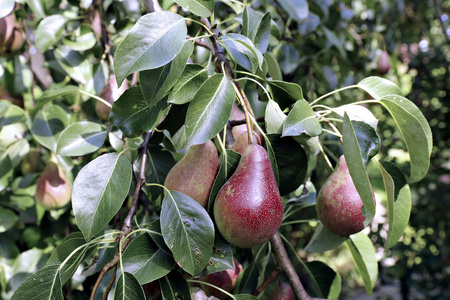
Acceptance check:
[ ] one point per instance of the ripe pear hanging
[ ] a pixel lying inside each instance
(194, 174)
(248, 209)
(339, 204)
(54, 190)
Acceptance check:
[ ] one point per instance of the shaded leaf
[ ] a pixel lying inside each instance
(75, 64)
(363, 254)
(128, 288)
(175, 286)
(188, 83)
(297, 9)
(188, 231)
(99, 191)
(326, 279)
(52, 94)
(323, 240)
(154, 41)
(285, 93)
(44, 284)
(49, 31)
(7, 219)
(242, 51)
(273, 68)
(209, 110)
(399, 201)
(81, 138)
(368, 140)
(82, 39)
(301, 120)
(222, 256)
(357, 170)
(10, 113)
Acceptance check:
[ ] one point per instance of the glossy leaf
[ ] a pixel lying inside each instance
(285, 93)
(326, 280)
(154, 41)
(248, 281)
(174, 286)
(18, 151)
(273, 68)
(357, 113)
(356, 167)
(201, 8)
(156, 83)
(297, 9)
(74, 63)
(99, 192)
(48, 124)
(10, 113)
(188, 83)
(222, 256)
(256, 27)
(132, 115)
(49, 31)
(398, 199)
(363, 254)
(368, 140)
(188, 231)
(274, 118)
(145, 260)
(128, 288)
(7, 219)
(379, 87)
(323, 240)
(292, 163)
(209, 110)
(415, 131)
(228, 164)
(82, 39)
(81, 138)
(242, 51)
(44, 284)
(301, 120)
(68, 245)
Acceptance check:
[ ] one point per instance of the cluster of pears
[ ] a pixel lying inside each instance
(248, 209)
(339, 204)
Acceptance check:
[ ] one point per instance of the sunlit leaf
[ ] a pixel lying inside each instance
(201, 8)
(82, 39)
(188, 83)
(49, 32)
(301, 120)
(274, 118)
(81, 138)
(256, 26)
(242, 51)
(285, 93)
(379, 87)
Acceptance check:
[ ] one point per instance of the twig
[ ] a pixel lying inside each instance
(285, 265)
(233, 123)
(127, 227)
(266, 281)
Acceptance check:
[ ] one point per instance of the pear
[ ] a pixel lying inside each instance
(383, 64)
(226, 280)
(248, 209)
(241, 142)
(194, 174)
(237, 114)
(11, 36)
(282, 292)
(54, 190)
(339, 204)
(110, 92)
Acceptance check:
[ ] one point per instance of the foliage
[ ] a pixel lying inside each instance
(187, 64)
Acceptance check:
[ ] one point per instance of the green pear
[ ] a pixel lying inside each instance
(248, 209)
(195, 172)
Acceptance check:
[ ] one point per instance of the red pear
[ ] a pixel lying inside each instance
(339, 204)
(111, 92)
(383, 63)
(237, 114)
(194, 174)
(248, 209)
(54, 190)
(282, 292)
(226, 280)
(241, 142)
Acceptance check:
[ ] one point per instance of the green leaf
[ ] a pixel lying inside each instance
(357, 113)
(415, 131)
(285, 93)
(363, 254)
(174, 286)
(228, 164)
(6, 7)
(222, 256)
(68, 245)
(82, 39)
(301, 120)
(10, 113)
(81, 138)
(242, 51)
(49, 31)
(132, 115)
(399, 201)
(188, 83)
(309, 24)
(297, 9)
(256, 27)
(188, 231)
(75, 64)
(156, 83)
(379, 87)
(99, 191)
(128, 288)
(44, 284)
(48, 124)
(292, 163)
(323, 240)
(154, 41)
(7, 219)
(368, 140)
(18, 151)
(145, 260)
(209, 110)
(248, 281)
(273, 68)
(52, 94)
(244, 297)
(355, 163)
(274, 118)
(327, 283)
(201, 8)
(12, 133)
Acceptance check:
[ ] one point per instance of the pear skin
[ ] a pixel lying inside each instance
(194, 174)
(54, 190)
(248, 209)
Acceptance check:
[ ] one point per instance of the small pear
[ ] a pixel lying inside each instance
(54, 190)
(195, 173)
(226, 280)
(241, 142)
(383, 64)
(111, 92)
(248, 209)
(11, 36)
(282, 292)
(339, 204)
(237, 114)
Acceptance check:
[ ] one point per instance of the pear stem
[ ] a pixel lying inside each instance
(275, 273)
(285, 265)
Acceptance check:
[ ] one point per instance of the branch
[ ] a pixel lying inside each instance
(285, 265)
(266, 281)
(127, 227)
